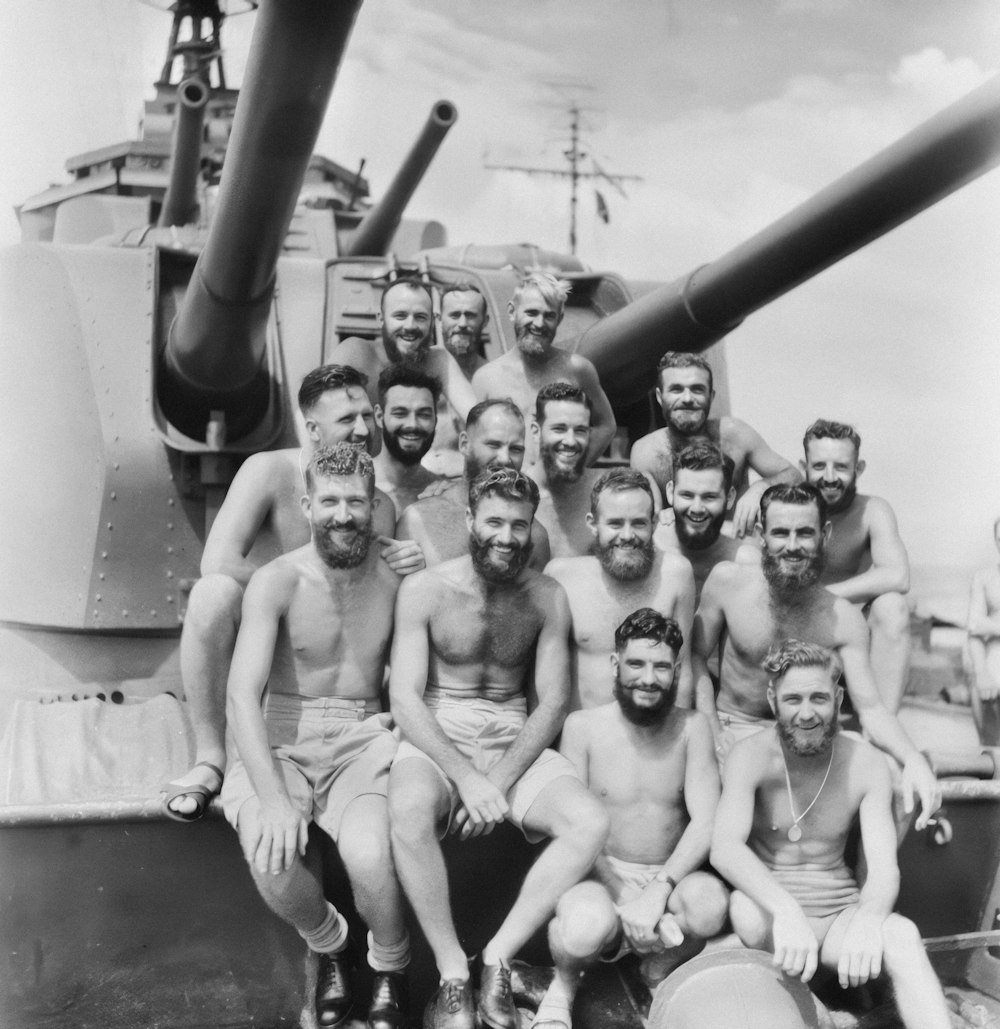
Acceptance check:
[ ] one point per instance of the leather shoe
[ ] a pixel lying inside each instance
(496, 1001)
(333, 988)
(388, 1007)
(452, 1007)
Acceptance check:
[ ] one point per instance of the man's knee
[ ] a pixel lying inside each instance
(901, 941)
(700, 903)
(584, 923)
(413, 803)
(365, 849)
(215, 600)
(890, 614)
(582, 817)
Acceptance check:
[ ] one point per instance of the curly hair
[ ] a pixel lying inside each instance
(649, 624)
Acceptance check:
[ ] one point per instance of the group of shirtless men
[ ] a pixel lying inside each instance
(702, 776)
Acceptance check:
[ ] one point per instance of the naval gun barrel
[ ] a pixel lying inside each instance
(214, 357)
(180, 204)
(957, 145)
(376, 230)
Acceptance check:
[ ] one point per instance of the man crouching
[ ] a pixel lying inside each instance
(471, 634)
(653, 766)
(315, 633)
(789, 799)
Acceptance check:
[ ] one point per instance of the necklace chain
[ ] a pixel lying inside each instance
(794, 832)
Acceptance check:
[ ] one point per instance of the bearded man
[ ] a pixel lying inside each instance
(866, 560)
(536, 310)
(471, 635)
(699, 496)
(406, 413)
(652, 766)
(747, 608)
(315, 635)
(685, 392)
(406, 318)
(789, 801)
(625, 573)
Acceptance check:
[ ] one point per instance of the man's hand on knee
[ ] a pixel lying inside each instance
(860, 950)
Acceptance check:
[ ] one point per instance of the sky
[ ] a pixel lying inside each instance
(730, 111)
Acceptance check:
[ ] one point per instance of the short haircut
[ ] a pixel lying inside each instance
(680, 359)
(620, 480)
(463, 286)
(479, 410)
(416, 284)
(406, 375)
(325, 378)
(648, 624)
(341, 459)
(823, 429)
(505, 483)
(801, 494)
(555, 291)
(703, 456)
(559, 391)
(793, 653)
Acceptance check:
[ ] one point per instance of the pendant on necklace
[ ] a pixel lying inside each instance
(795, 833)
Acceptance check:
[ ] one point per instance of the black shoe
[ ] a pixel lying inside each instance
(389, 1001)
(333, 988)
(452, 1007)
(496, 1001)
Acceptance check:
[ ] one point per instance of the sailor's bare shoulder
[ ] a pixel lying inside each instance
(653, 444)
(571, 571)
(729, 575)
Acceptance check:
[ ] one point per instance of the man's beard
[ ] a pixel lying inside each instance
(643, 715)
(414, 358)
(460, 343)
(810, 746)
(626, 563)
(687, 421)
(407, 457)
(532, 344)
(497, 573)
(555, 472)
(782, 580)
(338, 554)
(702, 538)
(473, 468)
(841, 500)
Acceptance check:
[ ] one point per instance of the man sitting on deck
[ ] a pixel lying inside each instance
(790, 797)
(315, 634)
(653, 768)
(470, 636)
(261, 518)
(866, 560)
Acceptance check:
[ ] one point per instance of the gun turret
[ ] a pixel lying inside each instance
(375, 232)
(959, 144)
(213, 359)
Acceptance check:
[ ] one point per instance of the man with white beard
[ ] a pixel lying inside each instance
(866, 560)
(536, 310)
(626, 573)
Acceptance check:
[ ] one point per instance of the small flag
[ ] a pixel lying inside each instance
(602, 207)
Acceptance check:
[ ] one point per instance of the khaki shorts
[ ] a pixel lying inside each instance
(329, 752)
(822, 893)
(482, 731)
